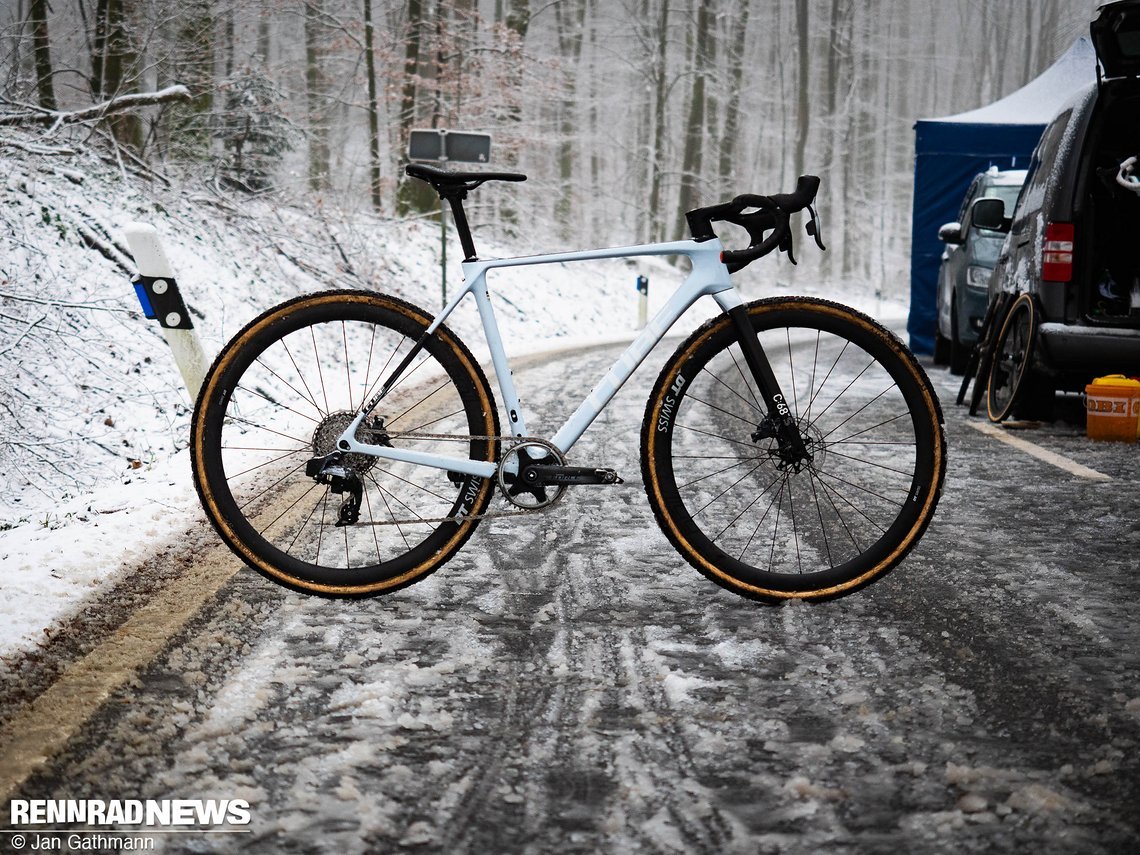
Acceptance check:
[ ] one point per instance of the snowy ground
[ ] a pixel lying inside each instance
(96, 424)
(567, 683)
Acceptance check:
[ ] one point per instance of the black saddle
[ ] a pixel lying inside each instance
(448, 183)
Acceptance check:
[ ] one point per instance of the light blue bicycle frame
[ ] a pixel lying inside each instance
(708, 276)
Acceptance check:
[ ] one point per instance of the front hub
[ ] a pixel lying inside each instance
(791, 444)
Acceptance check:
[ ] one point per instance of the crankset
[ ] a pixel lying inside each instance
(533, 474)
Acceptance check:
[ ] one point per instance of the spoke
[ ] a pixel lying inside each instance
(372, 521)
(875, 427)
(811, 385)
(410, 373)
(298, 501)
(395, 521)
(792, 372)
(911, 444)
(321, 531)
(759, 522)
(347, 386)
(311, 398)
(838, 515)
(244, 421)
(262, 395)
(795, 530)
(443, 385)
(745, 510)
(385, 491)
(250, 501)
(858, 411)
(300, 394)
(827, 377)
(711, 457)
(367, 372)
(378, 382)
(846, 388)
(718, 436)
(262, 448)
(443, 499)
(871, 463)
(312, 511)
(835, 477)
(721, 494)
(748, 422)
(407, 433)
(717, 472)
(347, 551)
(776, 527)
(822, 524)
(320, 374)
(260, 465)
(728, 350)
(733, 391)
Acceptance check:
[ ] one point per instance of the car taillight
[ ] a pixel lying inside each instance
(1057, 258)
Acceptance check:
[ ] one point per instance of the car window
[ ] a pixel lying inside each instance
(1006, 192)
(1041, 165)
(985, 249)
(967, 199)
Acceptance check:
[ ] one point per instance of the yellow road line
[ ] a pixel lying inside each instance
(43, 727)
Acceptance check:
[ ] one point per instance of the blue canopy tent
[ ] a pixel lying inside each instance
(950, 151)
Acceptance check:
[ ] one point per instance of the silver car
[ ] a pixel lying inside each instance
(967, 261)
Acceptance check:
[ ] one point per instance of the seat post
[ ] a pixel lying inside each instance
(455, 197)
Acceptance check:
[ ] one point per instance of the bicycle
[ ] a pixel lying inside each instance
(347, 443)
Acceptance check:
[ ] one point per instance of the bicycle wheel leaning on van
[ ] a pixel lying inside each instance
(1012, 355)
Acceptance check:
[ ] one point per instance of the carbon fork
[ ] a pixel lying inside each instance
(780, 423)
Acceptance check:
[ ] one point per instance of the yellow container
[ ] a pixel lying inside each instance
(1113, 405)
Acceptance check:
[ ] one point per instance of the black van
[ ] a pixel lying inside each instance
(1074, 236)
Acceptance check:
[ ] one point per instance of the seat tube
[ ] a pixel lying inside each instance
(462, 228)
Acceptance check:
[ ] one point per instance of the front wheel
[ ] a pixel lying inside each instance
(770, 529)
(280, 395)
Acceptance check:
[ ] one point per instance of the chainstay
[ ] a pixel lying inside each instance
(455, 437)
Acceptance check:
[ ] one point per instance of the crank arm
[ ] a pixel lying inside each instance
(554, 476)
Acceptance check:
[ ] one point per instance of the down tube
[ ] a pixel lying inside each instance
(626, 364)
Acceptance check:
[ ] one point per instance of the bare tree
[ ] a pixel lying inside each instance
(41, 47)
(315, 96)
(373, 114)
(113, 61)
(696, 129)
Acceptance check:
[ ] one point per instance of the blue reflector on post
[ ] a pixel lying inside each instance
(144, 300)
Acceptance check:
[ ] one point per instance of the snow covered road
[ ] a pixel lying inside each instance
(568, 684)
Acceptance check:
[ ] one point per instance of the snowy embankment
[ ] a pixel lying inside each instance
(95, 418)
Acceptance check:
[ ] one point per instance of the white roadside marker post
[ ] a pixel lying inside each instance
(160, 299)
(642, 301)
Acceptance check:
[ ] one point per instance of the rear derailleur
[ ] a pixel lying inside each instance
(340, 480)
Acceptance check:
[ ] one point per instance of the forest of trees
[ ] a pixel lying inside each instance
(624, 113)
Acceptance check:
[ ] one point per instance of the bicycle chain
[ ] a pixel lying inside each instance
(513, 440)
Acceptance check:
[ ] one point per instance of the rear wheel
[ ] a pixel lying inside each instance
(284, 390)
(824, 527)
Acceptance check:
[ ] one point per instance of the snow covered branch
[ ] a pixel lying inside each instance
(123, 103)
